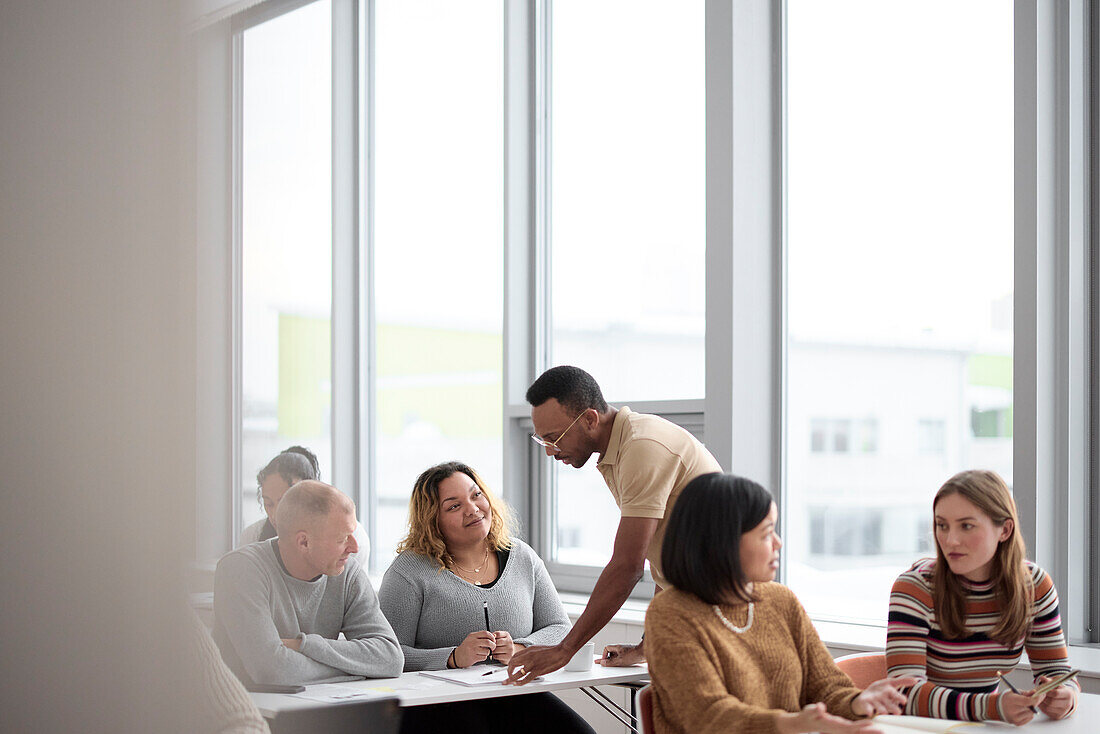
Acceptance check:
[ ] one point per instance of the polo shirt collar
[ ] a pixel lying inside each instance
(612, 454)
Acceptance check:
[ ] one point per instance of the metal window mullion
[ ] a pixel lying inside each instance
(1050, 383)
(542, 256)
(1092, 566)
(1072, 527)
(344, 313)
(237, 333)
(367, 342)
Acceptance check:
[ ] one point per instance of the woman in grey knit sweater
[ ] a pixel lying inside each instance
(458, 560)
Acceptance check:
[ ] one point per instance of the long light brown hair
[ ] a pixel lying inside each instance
(1012, 584)
(424, 536)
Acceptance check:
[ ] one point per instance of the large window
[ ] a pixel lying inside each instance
(627, 224)
(842, 242)
(900, 281)
(438, 269)
(286, 242)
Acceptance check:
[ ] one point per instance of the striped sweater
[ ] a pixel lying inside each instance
(960, 675)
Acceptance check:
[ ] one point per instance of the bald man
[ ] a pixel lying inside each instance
(281, 604)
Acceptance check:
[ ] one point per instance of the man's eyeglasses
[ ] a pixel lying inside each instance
(553, 445)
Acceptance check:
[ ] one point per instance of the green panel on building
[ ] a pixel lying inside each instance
(305, 375)
(990, 370)
(449, 378)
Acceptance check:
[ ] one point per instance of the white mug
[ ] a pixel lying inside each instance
(582, 661)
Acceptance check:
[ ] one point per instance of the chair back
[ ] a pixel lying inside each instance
(864, 668)
(645, 709)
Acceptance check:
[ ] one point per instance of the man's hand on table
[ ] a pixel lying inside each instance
(622, 656)
(526, 665)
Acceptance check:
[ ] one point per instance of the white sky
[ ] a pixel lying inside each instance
(900, 166)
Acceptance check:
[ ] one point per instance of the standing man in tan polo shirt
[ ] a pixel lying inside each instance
(645, 461)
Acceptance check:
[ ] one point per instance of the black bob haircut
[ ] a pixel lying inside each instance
(701, 552)
(574, 388)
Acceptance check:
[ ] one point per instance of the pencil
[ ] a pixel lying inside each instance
(1050, 685)
(1014, 689)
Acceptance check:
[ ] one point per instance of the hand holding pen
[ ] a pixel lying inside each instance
(1018, 707)
(1060, 698)
(476, 648)
(506, 647)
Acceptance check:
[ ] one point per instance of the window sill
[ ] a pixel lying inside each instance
(840, 637)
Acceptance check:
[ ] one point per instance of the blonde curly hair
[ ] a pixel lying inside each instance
(423, 536)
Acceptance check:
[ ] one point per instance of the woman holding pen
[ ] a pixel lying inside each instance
(464, 592)
(959, 620)
(728, 649)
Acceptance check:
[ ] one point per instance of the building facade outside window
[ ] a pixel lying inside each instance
(900, 263)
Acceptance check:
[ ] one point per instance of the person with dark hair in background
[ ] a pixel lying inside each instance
(464, 592)
(289, 467)
(646, 461)
(729, 650)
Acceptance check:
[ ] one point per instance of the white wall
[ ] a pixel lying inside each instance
(97, 377)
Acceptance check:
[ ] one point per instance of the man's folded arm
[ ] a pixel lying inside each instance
(371, 648)
(242, 606)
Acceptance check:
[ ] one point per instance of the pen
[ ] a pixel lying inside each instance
(489, 673)
(485, 608)
(1014, 689)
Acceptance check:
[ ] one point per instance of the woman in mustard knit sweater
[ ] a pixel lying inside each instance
(728, 649)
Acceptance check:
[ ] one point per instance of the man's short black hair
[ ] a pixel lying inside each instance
(574, 388)
(701, 552)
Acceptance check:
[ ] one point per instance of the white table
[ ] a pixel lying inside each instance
(413, 689)
(1085, 720)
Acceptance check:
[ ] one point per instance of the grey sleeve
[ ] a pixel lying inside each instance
(371, 648)
(549, 622)
(401, 602)
(242, 606)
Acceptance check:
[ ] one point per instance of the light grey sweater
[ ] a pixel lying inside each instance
(432, 610)
(257, 604)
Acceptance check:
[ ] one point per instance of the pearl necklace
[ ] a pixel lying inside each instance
(730, 625)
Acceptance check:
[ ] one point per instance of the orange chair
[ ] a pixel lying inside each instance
(864, 668)
(645, 709)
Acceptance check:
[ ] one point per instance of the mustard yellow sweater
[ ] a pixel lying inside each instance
(707, 678)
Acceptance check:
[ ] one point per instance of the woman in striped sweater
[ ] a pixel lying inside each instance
(958, 620)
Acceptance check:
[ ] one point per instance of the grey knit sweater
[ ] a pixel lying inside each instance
(257, 604)
(432, 610)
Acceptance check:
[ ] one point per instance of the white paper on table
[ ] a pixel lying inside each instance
(914, 724)
(475, 676)
(336, 693)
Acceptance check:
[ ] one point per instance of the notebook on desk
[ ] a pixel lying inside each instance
(376, 716)
(917, 724)
(479, 675)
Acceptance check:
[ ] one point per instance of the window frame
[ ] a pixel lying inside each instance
(347, 282)
(743, 415)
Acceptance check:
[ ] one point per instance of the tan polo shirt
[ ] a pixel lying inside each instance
(647, 463)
